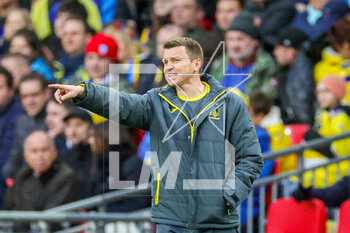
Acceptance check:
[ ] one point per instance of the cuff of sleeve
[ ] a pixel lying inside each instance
(231, 197)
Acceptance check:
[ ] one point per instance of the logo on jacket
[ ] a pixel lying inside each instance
(215, 114)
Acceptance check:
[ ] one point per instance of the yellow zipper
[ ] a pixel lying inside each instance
(188, 119)
(156, 199)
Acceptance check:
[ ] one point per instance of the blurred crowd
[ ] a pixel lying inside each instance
(288, 59)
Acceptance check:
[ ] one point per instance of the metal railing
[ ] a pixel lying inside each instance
(98, 221)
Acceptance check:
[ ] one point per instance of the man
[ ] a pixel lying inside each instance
(43, 182)
(78, 123)
(244, 56)
(11, 61)
(199, 144)
(75, 36)
(34, 96)
(295, 82)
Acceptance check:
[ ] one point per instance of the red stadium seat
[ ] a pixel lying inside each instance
(296, 132)
(286, 215)
(344, 218)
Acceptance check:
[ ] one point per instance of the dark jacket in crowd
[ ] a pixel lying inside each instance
(24, 126)
(130, 166)
(332, 196)
(56, 186)
(79, 158)
(331, 12)
(8, 118)
(296, 91)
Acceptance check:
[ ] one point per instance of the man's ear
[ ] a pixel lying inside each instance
(197, 65)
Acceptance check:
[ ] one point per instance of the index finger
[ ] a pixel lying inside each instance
(57, 86)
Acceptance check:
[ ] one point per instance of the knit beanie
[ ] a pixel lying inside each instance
(244, 22)
(334, 84)
(104, 46)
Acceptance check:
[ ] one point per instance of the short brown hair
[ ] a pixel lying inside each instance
(340, 31)
(193, 48)
(259, 103)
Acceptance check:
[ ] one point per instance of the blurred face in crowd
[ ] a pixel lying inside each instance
(256, 118)
(58, 24)
(165, 34)
(39, 152)
(343, 49)
(12, 64)
(5, 92)
(318, 4)
(226, 11)
(176, 61)
(19, 44)
(77, 130)
(326, 99)
(163, 7)
(55, 113)
(239, 45)
(14, 22)
(96, 65)
(186, 13)
(284, 55)
(33, 97)
(95, 143)
(74, 37)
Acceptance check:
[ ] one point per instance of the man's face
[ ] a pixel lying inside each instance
(11, 64)
(77, 130)
(326, 99)
(226, 11)
(240, 45)
(185, 13)
(14, 22)
(20, 45)
(39, 152)
(54, 117)
(284, 55)
(74, 37)
(5, 92)
(95, 65)
(164, 35)
(33, 97)
(176, 61)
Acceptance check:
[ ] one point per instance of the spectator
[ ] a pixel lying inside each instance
(226, 11)
(100, 52)
(187, 14)
(161, 11)
(55, 114)
(75, 36)
(43, 182)
(78, 122)
(335, 58)
(34, 95)
(10, 111)
(245, 56)
(272, 15)
(11, 61)
(295, 82)
(330, 121)
(130, 165)
(27, 43)
(44, 14)
(318, 17)
(5, 7)
(259, 107)
(332, 196)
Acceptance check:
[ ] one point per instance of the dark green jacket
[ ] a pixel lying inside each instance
(224, 120)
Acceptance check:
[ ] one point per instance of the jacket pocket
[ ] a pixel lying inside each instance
(156, 199)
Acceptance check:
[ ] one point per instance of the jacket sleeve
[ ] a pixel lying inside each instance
(248, 157)
(129, 109)
(335, 195)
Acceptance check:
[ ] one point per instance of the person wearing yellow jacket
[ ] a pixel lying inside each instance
(336, 58)
(332, 119)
